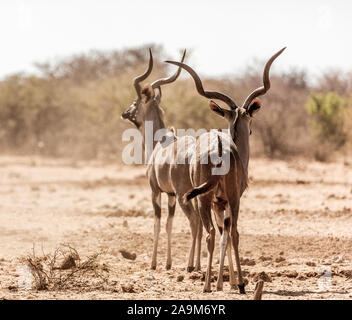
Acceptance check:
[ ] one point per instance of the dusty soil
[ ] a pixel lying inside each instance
(295, 222)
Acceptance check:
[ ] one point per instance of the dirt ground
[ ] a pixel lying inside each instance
(295, 226)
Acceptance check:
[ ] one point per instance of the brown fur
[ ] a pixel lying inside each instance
(148, 93)
(254, 107)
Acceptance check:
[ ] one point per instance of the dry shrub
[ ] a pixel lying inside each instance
(281, 125)
(71, 108)
(64, 269)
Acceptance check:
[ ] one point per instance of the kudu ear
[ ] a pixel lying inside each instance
(158, 95)
(217, 109)
(147, 93)
(254, 107)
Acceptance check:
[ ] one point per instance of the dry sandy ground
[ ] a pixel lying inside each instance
(295, 221)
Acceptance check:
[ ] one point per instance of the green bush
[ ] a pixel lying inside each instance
(327, 111)
(328, 121)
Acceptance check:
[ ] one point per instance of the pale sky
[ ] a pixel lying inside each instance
(224, 35)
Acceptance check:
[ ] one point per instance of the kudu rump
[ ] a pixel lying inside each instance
(164, 175)
(223, 192)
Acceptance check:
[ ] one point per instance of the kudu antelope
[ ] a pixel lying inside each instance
(223, 192)
(165, 175)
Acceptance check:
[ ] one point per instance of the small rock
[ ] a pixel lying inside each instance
(291, 274)
(128, 288)
(128, 255)
(125, 224)
(311, 274)
(338, 259)
(275, 274)
(283, 264)
(346, 273)
(264, 258)
(180, 278)
(248, 262)
(262, 276)
(301, 276)
(150, 277)
(226, 277)
(12, 288)
(279, 259)
(311, 264)
(197, 275)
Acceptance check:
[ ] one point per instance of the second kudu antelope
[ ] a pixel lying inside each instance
(164, 176)
(223, 192)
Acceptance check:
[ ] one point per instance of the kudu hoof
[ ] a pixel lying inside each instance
(190, 269)
(218, 288)
(168, 266)
(205, 290)
(153, 267)
(241, 288)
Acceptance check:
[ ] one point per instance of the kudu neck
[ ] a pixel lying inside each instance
(241, 141)
(153, 121)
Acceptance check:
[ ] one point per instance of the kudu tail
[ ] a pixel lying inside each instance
(203, 188)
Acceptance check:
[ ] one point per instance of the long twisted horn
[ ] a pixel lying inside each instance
(262, 90)
(161, 82)
(143, 76)
(199, 86)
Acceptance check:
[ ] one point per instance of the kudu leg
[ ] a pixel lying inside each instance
(223, 247)
(235, 241)
(170, 217)
(199, 246)
(231, 270)
(199, 238)
(205, 213)
(234, 207)
(192, 217)
(156, 200)
(220, 223)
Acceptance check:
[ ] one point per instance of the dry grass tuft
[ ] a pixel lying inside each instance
(64, 269)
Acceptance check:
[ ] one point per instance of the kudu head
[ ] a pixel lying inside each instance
(146, 105)
(239, 118)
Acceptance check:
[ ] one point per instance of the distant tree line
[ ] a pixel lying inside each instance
(72, 107)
